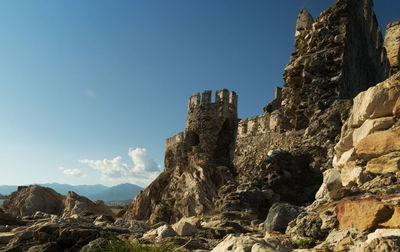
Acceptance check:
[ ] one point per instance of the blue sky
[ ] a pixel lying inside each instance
(90, 90)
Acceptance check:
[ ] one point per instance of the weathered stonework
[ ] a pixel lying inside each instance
(392, 45)
(335, 57)
(222, 162)
(191, 176)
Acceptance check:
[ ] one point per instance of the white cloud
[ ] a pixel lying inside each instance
(142, 172)
(72, 172)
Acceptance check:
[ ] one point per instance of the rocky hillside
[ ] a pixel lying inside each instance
(318, 169)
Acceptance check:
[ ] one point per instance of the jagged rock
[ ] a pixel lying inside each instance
(335, 239)
(391, 243)
(27, 200)
(248, 243)
(367, 213)
(379, 144)
(279, 216)
(378, 101)
(82, 206)
(6, 237)
(384, 164)
(370, 126)
(185, 227)
(164, 231)
(47, 247)
(392, 45)
(331, 184)
(307, 226)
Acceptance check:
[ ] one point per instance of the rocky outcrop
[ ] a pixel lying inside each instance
(29, 199)
(370, 137)
(280, 215)
(392, 45)
(82, 206)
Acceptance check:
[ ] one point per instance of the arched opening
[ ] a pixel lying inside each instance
(192, 139)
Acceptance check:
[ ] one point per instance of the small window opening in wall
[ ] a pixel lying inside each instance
(192, 139)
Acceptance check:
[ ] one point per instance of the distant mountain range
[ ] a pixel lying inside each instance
(119, 193)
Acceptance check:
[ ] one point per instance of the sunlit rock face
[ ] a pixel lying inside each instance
(392, 45)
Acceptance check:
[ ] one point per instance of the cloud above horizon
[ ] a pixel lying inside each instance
(72, 172)
(143, 170)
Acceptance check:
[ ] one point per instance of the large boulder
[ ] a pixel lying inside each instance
(29, 199)
(366, 213)
(75, 204)
(377, 101)
(379, 144)
(279, 216)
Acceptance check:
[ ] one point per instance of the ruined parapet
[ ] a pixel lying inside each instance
(175, 140)
(392, 45)
(256, 125)
(335, 57)
(276, 103)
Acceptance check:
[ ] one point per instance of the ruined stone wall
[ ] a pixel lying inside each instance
(335, 57)
(392, 45)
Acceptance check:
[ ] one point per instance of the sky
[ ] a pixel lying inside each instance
(90, 90)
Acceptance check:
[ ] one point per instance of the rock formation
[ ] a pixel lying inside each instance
(392, 45)
(28, 200)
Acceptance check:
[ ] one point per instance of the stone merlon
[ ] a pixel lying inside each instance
(222, 96)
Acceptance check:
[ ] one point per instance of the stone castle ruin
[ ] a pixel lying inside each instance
(222, 162)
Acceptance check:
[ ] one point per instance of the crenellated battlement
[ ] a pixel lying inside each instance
(222, 97)
(171, 141)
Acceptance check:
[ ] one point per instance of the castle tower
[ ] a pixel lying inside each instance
(210, 128)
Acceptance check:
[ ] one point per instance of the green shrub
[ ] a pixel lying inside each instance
(303, 244)
(127, 246)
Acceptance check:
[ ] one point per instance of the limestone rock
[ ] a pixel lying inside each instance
(27, 200)
(367, 213)
(384, 164)
(391, 243)
(392, 45)
(185, 227)
(82, 206)
(379, 144)
(370, 126)
(279, 216)
(351, 172)
(164, 231)
(249, 243)
(331, 184)
(382, 233)
(307, 226)
(377, 101)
